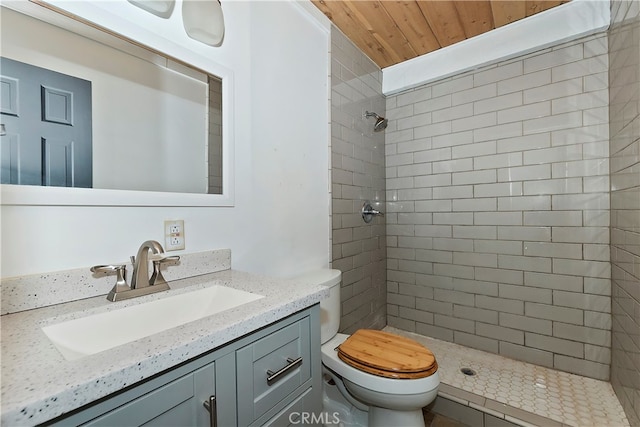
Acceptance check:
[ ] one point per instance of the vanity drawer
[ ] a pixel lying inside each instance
(272, 368)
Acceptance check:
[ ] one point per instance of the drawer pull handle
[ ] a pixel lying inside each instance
(210, 405)
(272, 377)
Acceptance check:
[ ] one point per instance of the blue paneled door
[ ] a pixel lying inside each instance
(47, 117)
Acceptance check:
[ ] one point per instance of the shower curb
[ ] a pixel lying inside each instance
(496, 409)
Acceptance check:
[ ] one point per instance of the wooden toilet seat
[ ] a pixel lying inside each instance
(387, 355)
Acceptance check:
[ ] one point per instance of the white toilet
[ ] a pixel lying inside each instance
(371, 377)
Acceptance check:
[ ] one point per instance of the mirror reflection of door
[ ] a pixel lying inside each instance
(47, 118)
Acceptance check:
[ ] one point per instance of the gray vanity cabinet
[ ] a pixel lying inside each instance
(268, 377)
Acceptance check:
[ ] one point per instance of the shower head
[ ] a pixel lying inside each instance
(381, 122)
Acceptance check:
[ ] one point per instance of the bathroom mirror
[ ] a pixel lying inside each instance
(160, 137)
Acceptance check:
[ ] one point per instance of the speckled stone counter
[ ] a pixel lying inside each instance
(38, 383)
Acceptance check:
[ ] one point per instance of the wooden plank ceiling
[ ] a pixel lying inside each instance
(391, 31)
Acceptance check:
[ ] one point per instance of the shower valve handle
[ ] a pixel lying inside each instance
(368, 212)
(372, 212)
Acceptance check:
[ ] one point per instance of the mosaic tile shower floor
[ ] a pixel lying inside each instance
(566, 398)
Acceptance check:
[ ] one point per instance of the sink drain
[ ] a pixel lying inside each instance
(468, 372)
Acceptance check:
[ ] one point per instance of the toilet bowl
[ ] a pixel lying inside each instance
(383, 378)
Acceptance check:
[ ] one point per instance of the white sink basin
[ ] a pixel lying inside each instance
(99, 332)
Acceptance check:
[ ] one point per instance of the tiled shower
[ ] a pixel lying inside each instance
(512, 205)
(498, 192)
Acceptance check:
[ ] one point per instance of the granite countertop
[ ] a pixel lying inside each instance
(38, 383)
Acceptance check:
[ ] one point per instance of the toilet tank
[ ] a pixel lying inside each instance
(329, 307)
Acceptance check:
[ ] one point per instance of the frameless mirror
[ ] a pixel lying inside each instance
(156, 124)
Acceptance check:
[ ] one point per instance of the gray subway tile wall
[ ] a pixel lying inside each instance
(624, 80)
(214, 148)
(357, 174)
(498, 196)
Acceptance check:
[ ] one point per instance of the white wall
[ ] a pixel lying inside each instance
(280, 223)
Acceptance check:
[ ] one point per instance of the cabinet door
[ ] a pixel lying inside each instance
(205, 387)
(226, 391)
(287, 350)
(177, 403)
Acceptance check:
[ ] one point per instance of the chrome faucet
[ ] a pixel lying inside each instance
(141, 263)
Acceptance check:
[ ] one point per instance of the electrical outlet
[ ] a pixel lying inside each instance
(174, 235)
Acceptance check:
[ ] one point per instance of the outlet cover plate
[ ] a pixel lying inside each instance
(174, 235)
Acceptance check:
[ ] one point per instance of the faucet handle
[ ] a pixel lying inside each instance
(156, 276)
(164, 258)
(120, 269)
(121, 281)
